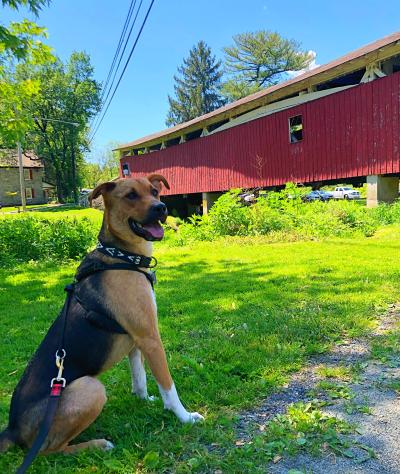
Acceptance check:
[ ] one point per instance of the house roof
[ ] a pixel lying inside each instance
(376, 51)
(9, 159)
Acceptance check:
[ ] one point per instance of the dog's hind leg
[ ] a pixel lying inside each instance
(81, 403)
(6, 441)
(139, 379)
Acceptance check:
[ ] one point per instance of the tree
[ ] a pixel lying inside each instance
(235, 89)
(16, 89)
(103, 167)
(68, 93)
(12, 39)
(197, 87)
(261, 59)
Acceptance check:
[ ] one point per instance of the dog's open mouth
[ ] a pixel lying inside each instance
(153, 231)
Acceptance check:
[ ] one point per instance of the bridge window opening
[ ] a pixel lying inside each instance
(125, 169)
(296, 129)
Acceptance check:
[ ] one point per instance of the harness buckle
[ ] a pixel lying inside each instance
(60, 357)
(57, 380)
(60, 366)
(153, 259)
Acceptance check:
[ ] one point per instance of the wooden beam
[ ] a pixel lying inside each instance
(372, 71)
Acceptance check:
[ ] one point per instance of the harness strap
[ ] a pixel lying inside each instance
(100, 267)
(100, 320)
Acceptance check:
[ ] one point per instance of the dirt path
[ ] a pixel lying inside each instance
(375, 412)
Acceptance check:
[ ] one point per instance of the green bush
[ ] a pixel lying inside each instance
(284, 215)
(228, 216)
(31, 236)
(388, 213)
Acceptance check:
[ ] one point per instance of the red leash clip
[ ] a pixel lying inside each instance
(59, 382)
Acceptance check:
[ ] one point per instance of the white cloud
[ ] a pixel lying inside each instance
(313, 64)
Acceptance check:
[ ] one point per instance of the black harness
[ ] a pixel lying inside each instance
(131, 262)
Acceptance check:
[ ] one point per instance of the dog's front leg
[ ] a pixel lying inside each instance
(139, 380)
(154, 353)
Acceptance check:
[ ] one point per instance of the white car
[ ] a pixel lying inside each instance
(344, 192)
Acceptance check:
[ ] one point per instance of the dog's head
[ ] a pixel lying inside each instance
(133, 209)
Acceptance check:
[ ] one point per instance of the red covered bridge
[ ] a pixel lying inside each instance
(338, 122)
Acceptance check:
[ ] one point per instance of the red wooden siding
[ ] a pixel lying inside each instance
(351, 133)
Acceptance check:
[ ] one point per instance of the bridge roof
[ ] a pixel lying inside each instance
(379, 50)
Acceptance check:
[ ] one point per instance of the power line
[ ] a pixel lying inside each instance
(95, 122)
(116, 54)
(123, 51)
(124, 69)
(121, 39)
(96, 119)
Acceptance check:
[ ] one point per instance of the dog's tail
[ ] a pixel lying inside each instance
(6, 441)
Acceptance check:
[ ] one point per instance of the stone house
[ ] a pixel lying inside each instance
(37, 191)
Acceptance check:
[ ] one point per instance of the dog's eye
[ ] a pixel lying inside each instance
(154, 192)
(132, 195)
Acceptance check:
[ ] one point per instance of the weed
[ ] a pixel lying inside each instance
(350, 407)
(339, 372)
(304, 428)
(333, 390)
(386, 347)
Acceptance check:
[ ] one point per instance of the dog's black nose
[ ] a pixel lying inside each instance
(159, 209)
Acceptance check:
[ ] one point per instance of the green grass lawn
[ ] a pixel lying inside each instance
(236, 317)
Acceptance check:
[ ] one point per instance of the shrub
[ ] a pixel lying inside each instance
(284, 214)
(31, 236)
(228, 216)
(265, 219)
(388, 213)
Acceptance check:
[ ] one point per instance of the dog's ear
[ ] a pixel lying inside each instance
(101, 189)
(157, 179)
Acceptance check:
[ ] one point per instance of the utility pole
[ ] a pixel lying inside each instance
(21, 177)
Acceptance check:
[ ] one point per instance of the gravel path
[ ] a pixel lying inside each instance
(379, 430)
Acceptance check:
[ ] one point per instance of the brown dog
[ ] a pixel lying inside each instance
(132, 216)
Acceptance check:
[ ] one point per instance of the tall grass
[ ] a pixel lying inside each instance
(46, 236)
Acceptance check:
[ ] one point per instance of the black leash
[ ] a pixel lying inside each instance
(58, 383)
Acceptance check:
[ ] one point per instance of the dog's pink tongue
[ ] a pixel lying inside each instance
(156, 230)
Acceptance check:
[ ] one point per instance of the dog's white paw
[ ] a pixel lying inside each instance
(108, 446)
(195, 418)
(144, 396)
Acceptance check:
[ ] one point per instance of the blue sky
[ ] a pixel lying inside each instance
(331, 29)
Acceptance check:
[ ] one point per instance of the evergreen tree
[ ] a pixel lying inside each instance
(261, 59)
(197, 88)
